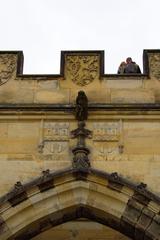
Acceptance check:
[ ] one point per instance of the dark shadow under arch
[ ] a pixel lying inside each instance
(69, 214)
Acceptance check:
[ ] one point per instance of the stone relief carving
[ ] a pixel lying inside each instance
(54, 150)
(56, 131)
(154, 65)
(103, 153)
(7, 67)
(51, 147)
(54, 141)
(82, 70)
(108, 140)
(106, 131)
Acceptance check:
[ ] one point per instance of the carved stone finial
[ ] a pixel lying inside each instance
(81, 110)
(114, 176)
(18, 186)
(45, 173)
(142, 186)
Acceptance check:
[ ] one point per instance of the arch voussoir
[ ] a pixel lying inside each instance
(66, 195)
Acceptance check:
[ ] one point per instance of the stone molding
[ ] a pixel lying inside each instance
(70, 108)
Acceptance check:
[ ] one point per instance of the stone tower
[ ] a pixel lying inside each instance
(79, 150)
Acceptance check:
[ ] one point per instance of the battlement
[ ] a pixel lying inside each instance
(151, 62)
(79, 69)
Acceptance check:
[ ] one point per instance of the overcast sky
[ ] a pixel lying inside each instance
(42, 28)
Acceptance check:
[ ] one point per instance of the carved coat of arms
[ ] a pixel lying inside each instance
(7, 67)
(82, 70)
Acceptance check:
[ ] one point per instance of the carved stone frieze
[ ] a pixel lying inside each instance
(56, 131)
(82, 69)
(7, 67)
(108, 131)
(51, 147)
(107, 152)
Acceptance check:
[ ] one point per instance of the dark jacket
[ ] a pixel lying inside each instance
(132, 68)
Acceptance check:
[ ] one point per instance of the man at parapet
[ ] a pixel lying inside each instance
(131, 67)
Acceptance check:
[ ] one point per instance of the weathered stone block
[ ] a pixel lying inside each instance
(129, 96)
(122, 84)
(44, 96)
(25, 130)
(144, 220)
(103, 95)
(153, 230)
(47, 85)
(17, 95)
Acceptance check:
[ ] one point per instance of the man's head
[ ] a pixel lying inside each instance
(128, 60)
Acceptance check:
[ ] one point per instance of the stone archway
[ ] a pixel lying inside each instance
(58, 197)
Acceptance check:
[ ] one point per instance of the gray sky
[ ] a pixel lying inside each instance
(42, 28)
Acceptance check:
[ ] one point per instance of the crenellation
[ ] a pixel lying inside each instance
(153, 62)
(85, 66)
(9, 67)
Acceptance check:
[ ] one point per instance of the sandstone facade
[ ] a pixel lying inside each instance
(37, 115)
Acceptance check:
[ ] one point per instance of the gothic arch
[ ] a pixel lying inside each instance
(58, 197)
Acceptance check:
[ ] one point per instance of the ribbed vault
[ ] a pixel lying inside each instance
(58, 197)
